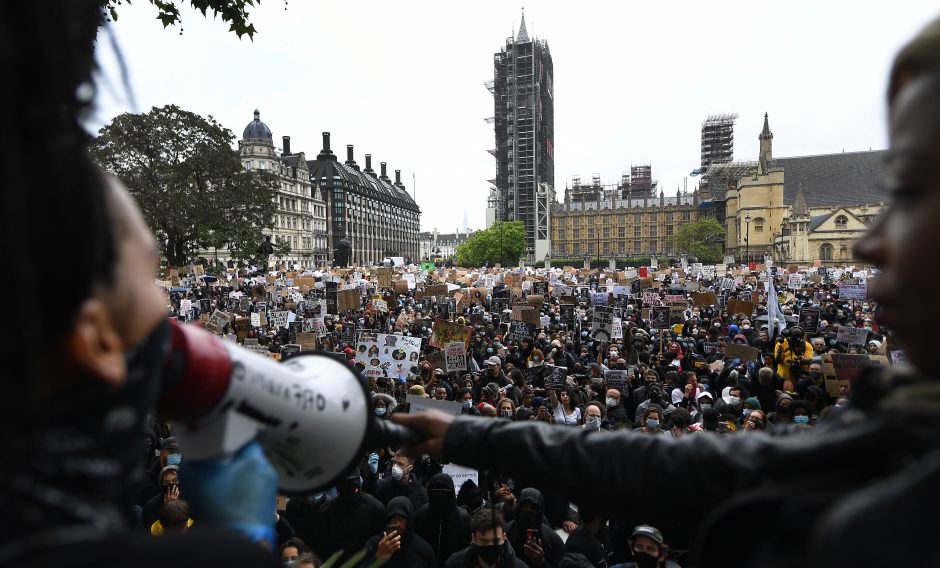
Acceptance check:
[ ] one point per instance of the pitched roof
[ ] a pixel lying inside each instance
(852, 178)
(523, 36)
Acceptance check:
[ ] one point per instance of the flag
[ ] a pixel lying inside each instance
(773, 307)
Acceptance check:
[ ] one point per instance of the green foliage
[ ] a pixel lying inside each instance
(502, 243)
(188, 182)
(232, 12)
(702, 240)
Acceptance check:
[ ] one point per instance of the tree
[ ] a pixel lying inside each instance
(189, 182)
(502, 243)
(232, 12)
(702, 240)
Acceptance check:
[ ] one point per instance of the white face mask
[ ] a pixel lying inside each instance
(397, 472)
(705, 405)
(734, 400)
(612, 402)
(592, 422)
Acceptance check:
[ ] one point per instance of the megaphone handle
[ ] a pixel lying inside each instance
(395, 435)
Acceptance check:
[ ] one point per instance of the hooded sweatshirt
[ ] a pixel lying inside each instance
(414, 552)
(444, 525)
(516, 530)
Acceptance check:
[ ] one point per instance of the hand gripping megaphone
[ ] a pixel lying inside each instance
(311, 414)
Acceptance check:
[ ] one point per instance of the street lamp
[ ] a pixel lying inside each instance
(747, 238)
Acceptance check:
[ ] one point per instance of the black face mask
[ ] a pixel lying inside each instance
(644, 560)
(528, 519)
(489, 553)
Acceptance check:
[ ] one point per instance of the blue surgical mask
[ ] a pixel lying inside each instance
(467, 404)
(174, 459)
(747, 411)
(380, 412)
(652, 423)
(801, 419)
(489, 349)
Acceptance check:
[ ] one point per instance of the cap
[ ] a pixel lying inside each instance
(494, 360)
(417, 390)
(648, 531)
(753, 402)
(349, 351)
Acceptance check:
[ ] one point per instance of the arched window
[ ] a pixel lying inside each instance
(825, 251)
(841, 221)
(758, 224)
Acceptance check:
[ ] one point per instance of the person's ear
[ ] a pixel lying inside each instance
(95, 345)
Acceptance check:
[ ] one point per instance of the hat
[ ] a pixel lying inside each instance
(417, 390)
(648, 531)
(703, 394)
(439, 371)
(753, 402)
(348, 351)
(494, 360)
(169, 444)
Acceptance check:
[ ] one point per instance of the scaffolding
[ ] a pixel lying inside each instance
(724, 176)
(718, 139)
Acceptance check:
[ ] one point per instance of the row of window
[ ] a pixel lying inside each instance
(605, 232)
(639, 247)
(623, 217)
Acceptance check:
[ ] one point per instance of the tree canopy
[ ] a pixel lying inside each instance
(189, 182)
(232, 12)
(702, 239)
(501, 243)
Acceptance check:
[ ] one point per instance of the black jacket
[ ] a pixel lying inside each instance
(467, 558)
(617, 418)
(552, 545)
(444, 525)
(832, 489)
(415, 552)
(387, 489)
(346, 523)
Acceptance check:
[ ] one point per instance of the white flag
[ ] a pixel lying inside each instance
(773, 307)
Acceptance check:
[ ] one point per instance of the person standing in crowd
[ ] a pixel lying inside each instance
(347, 521)
(444, 525)
(398, 545)
(402, 483)
(488, 545)
(533, 541)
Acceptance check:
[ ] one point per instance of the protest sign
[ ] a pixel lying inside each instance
(445, 332)
(852, 335)
(455, 356)
(616, 329)
(616, 379)
(650, 297)
(599, 298)
(809, 320)
(735, 306)
(704, 299)
(853, 291)
(659, 317)
(349, 300)
(217, 322)
(849, 367)
(307, 341)
(742, 352)
(279, 318)
(418, 404)
(331, 301)
(255, 319)
(521, 330)
(566, 315)
(602, 324)
(527, 314)
(290, 349)
(461, 475)
(252, 345)
(540, 288)
(556, 379)
(675, 299)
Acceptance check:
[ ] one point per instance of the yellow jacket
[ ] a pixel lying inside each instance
(785, 357)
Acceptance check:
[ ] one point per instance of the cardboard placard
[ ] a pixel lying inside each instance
(659, 317)
(602, 324)
(739, 307)
(556, 379)
(349, 299)
(519, 330)
(455, 356)
(418, 404)
(742, 352)
(704, 299)
(809, 320)
(535, 300)
(307, 341)
(527, 314)
(616, 379)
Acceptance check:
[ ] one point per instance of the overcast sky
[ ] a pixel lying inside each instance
(403, 81)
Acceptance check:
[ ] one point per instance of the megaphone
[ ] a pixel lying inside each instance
(311, 414)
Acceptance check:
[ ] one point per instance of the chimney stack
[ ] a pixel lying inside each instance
(326, 152)
(286, 145)
(397, 177)
(369, 163)
(384, 174)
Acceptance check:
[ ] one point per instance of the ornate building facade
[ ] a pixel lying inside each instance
(366, 211)
(807, 209)
(300, 220)
(610, 223)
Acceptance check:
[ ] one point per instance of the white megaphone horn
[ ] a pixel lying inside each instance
(311, 414)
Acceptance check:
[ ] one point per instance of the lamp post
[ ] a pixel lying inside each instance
(747, 238)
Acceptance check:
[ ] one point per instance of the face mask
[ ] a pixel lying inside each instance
(505, 414)
(380, 412)
(528, 519)
(801, 419)
(489, 554)
(652, 423)
(287, 563)
(592, 422)
(397, 472)
(705, 405)
(747, 411)
(612, 402)
(467, 404)
(489, 349)
(644, 560)
(614, 354)
(734, 400)
(174, 459)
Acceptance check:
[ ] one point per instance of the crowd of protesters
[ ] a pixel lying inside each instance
(679, 381)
